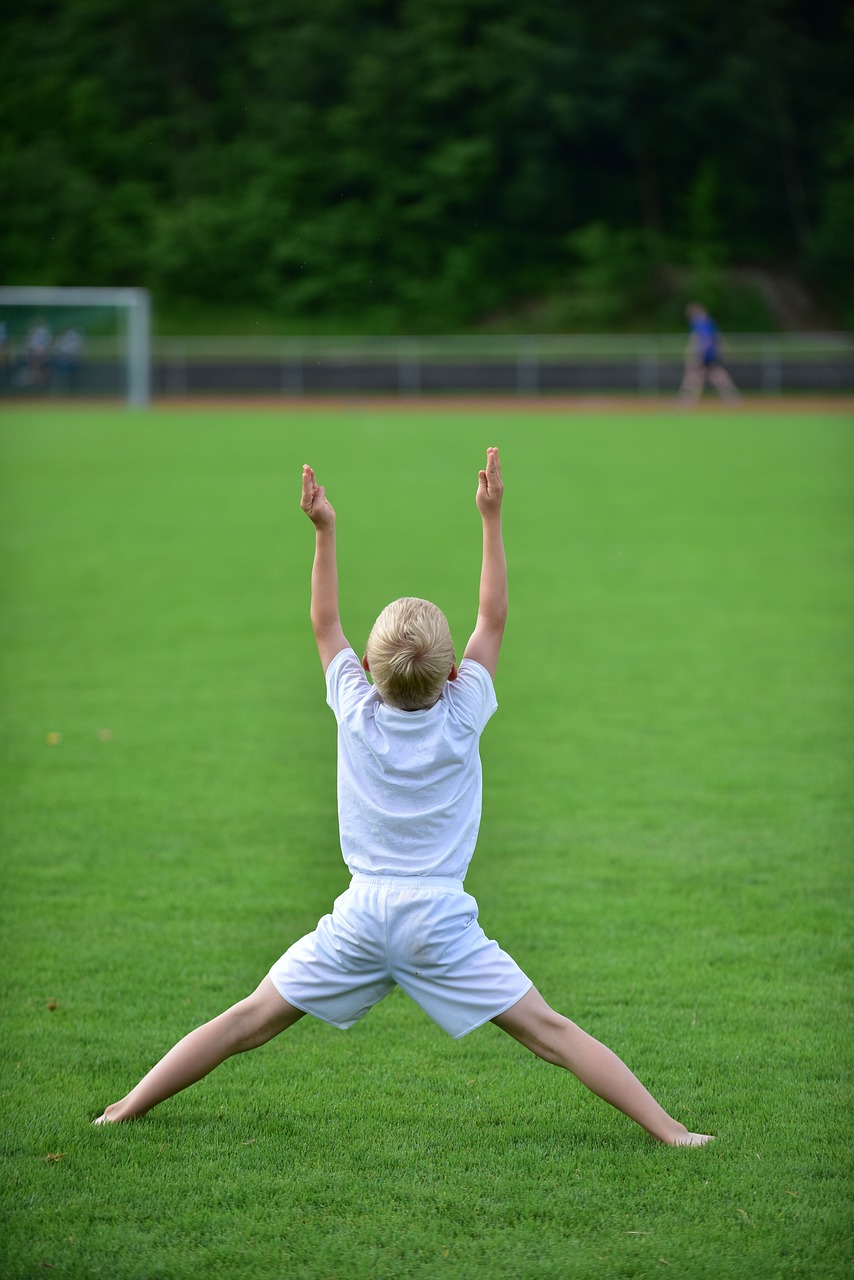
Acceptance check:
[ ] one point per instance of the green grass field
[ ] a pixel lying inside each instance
(666, 844)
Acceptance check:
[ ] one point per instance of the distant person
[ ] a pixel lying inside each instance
(5, 355)
(37, 355)
(409, 805)
(703, 359)
(67, 353)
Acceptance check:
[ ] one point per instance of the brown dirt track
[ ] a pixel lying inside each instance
(842, 404)
(834, 404)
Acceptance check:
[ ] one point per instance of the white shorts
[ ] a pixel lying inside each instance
(387, 931)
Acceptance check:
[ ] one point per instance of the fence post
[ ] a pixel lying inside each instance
(648, 369)
(177, 366)
(527, 371)
(771, 368)
(409, 372)
(291, 373)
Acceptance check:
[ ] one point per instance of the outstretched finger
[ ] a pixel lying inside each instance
(494, 470)
(309, 488)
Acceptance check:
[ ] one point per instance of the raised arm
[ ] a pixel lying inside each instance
(486, 638)
(325, 619)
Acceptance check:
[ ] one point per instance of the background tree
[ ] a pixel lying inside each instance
(423, 163)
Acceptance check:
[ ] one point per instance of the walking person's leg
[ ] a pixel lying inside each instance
(723, 383)
(692, 381)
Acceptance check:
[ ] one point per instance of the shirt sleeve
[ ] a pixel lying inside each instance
(471, 696)
(346, 683)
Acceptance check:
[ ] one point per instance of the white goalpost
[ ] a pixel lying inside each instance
(85, 341)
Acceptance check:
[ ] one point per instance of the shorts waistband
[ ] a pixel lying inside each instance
(411, 882)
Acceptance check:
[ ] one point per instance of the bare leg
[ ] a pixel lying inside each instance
(246, 1025)
(692, 382)
(551, 1036)
(723, 383)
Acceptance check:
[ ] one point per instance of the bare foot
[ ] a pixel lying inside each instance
(693, 1139)
(109, 1116)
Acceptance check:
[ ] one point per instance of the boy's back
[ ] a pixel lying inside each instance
(409, 782)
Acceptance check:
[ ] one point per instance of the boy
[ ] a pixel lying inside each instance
(409, 798)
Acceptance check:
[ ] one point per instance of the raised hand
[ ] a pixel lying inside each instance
(490, 487)
(314, 501)
(485, 641)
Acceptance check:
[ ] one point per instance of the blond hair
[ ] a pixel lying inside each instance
(410, 653)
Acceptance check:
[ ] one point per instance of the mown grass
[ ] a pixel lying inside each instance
(665, 847)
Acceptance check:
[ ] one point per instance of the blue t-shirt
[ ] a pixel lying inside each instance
(705, 333)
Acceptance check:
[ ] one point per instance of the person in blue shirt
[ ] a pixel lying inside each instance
(703, 359)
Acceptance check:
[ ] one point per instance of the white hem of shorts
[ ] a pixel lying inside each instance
(339, 1026)
(346, 1026)
(489, 1017)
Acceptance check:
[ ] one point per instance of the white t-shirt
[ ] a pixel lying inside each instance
(409, 782)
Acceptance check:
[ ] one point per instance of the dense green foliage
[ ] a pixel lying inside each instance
(665, 845)
(422, 161)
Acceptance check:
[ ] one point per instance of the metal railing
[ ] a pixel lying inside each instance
(528, 365)
(521, 365)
